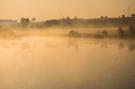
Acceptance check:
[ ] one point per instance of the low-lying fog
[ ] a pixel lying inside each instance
(51, 59)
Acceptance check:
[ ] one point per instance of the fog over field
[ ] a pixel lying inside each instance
(53, 58)
(67, 44)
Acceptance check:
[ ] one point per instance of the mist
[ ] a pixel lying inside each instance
(51, 58)
(67, 44)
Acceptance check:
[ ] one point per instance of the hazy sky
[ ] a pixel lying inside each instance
(47, 9)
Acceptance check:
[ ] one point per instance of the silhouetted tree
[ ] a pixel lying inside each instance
(25, 22)
(106, 17)
(68, 18)
(33, 19)
(132, 15)
(102, 17)
(123, 16)
(52, 23)
(22, 20)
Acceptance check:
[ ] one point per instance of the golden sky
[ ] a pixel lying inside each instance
(47, 9)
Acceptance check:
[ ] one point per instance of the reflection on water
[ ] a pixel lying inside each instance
(67, 63)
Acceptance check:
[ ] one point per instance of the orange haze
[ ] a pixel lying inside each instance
(47, 9)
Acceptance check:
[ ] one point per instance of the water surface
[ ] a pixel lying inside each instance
(67, 63)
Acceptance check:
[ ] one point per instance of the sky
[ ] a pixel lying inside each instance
(50, 9)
